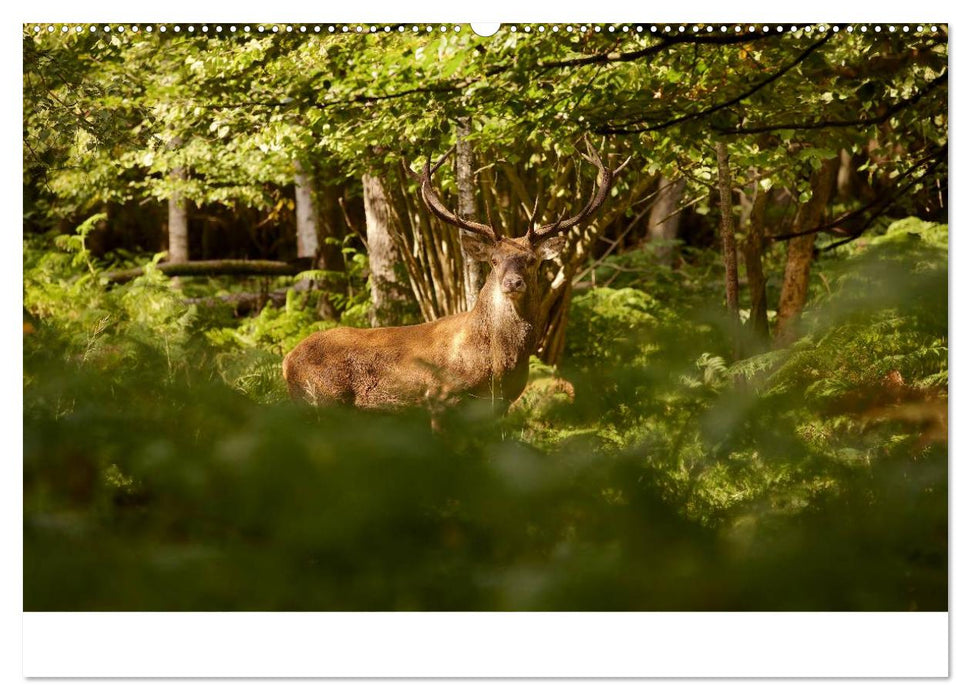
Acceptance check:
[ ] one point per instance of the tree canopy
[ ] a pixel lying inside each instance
(106, 107)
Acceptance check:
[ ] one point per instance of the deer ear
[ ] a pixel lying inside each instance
(551, 247)
(477, 248)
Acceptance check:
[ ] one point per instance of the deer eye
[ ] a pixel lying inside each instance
(495, 259)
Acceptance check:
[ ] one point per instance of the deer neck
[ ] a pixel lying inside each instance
(505, 328)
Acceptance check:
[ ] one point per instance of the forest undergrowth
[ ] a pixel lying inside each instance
(165, 468)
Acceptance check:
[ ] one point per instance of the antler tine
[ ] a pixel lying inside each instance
(597, 196)
(531, 213)
(594, 156)
(525, 208)
(441, 160)
(591, 156)
(431, 168)
(622, 165)
(435, 206)
(492, 222)
(536, 235)
(411, 173)
(595, 160)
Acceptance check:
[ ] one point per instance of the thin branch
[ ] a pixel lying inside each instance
(350, 224)
(836, 123)
(600, 261)
(880, 203)
(667, 41)
(722, 105)
(880, 210)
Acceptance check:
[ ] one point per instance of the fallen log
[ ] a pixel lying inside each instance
(242, 302)
(214, 268)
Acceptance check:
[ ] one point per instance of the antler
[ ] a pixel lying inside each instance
(532, 214)
(597, 197)
(435, 206)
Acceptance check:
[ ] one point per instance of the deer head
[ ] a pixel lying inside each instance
(515, 260)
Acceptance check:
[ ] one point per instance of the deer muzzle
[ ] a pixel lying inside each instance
(513, 285)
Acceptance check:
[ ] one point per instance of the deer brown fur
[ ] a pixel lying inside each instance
(483, 352)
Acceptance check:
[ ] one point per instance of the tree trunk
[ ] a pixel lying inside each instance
(758, 320)
(330, 236)
(551, 347)
(729, 252)
(845, 176)
(318, 221)
(799, 256)
(473, 277)
(388, 293)
(665, 216)
(178, 219)
(306, 206)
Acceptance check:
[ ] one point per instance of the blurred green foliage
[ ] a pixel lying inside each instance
(164, 469)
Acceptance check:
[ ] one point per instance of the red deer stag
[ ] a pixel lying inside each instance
(483, 352)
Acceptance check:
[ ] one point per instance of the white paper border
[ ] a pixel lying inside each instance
(477, 645)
